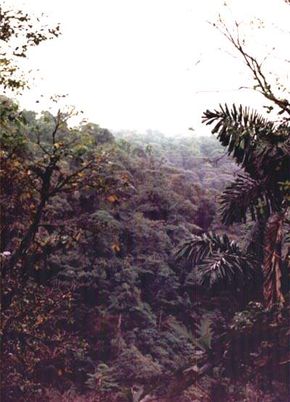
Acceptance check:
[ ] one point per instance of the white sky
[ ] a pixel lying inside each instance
(156, 64)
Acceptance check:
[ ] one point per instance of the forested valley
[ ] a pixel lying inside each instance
(140, 266)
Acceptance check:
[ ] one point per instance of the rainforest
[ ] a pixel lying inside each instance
(137, 266)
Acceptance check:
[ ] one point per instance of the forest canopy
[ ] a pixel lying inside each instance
(138, 266)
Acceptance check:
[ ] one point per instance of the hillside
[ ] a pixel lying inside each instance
(97, 303)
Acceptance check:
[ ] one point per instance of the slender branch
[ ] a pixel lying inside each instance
(252, 63)
(67, 180)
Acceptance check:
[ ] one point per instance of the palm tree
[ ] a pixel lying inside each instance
(260, 193)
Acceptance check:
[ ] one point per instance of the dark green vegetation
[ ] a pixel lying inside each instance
(93, 298)
(121, 279)
(92, 223)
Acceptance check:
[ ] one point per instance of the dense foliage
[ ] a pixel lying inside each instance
(121, 280)
(90, 223)
(96, 299)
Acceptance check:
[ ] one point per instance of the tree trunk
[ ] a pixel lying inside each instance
(26, 241)
(272, 262)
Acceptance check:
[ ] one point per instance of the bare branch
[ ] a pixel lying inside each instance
(262, 86)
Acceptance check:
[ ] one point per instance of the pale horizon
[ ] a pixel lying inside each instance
(157, 65)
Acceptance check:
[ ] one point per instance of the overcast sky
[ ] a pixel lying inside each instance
(137, 64)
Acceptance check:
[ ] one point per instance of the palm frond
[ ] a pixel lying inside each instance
(257, 144)
(227, 270)
(247, 195)
(272, 160)
(237, 129)
(218, 260)
(198, 247)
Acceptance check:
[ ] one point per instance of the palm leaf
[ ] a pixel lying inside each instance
(227, 270)
(257, 144)
(248, 195)
(237, 129)
(272, 159)
(198, 247)
(218, 260)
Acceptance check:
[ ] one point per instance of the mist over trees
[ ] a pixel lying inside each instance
(142, 267)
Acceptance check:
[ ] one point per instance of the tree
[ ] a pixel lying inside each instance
(38, 163)
(18, 33)
(261, 193)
